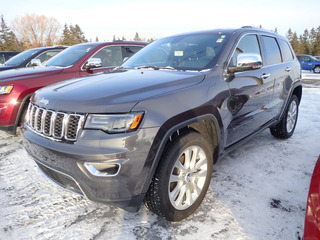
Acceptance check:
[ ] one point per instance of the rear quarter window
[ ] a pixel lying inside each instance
(286, 52)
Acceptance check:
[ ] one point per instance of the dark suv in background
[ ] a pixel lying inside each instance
(24, 58)
(152, 129)
(5, 56)
(17, 85)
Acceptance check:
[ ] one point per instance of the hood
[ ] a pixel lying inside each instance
(22, 73)
(113, 92)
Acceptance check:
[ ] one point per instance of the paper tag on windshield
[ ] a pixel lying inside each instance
(178, 53)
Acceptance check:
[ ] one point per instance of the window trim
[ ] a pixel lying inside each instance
(105, 46)
(264, 50)
(48, 50)
(237, 43)
(290, 48)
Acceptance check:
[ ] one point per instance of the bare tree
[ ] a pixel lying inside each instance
(37, 30)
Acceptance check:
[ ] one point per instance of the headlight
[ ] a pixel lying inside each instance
(6, 89)
(114, 123)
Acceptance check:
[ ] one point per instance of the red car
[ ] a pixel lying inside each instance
(312, 221)
(16, 86)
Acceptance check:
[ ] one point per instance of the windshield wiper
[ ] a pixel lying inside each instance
(157, 68)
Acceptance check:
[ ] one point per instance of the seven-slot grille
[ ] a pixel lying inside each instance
(58, 125)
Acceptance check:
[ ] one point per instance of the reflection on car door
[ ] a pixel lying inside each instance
(250, 93)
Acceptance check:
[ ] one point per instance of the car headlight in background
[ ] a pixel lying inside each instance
(114, 123)
(6, 89)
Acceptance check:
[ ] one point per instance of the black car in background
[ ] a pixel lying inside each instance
(24, 58)
(5, 56)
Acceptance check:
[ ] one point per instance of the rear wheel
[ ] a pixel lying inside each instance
(182, 178)
(316, 69)
(285, 128)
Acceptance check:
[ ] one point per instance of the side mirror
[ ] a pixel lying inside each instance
(93, 63)
(246, 61)
(35, 62)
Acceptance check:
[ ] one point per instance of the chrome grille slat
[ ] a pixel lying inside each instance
(58, 125)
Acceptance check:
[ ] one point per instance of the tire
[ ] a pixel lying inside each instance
(285, 128)
(316, 69)
(181, 181)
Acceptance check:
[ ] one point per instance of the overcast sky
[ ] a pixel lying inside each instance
(104, 18)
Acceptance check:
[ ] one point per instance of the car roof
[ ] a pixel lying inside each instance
(118, 42)
(236, 31)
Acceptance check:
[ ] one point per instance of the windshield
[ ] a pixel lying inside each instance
(21, 57)
(314, 58)
(193, 52)
(69, 56)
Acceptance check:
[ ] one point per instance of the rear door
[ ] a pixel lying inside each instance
(288, 71)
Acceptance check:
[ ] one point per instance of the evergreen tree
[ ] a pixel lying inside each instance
(66, 36)
(289, 35)
(8, 40)
(97, 39)
(114, 38)
(295, 44)
(305, 43)
(72, 35)
(137, 38)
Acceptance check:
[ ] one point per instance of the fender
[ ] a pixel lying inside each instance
(173, 125)
(21, 108)
(296, 88)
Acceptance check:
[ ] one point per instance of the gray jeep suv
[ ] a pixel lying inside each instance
(151, 130)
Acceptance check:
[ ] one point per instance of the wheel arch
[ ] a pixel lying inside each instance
(22, 108)
(204, 124)
(298, 92)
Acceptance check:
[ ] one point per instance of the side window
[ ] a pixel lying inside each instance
(304, 58)
(46, 55)
(130, 50)
(2, 59)
(285, 51)
(110, 56)
(272, 52)
(248, 44)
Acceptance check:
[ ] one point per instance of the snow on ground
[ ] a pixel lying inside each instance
(258, 191)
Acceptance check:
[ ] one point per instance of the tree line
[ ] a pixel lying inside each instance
(33, 30)
(306, 43)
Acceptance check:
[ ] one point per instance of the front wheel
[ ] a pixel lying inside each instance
(285, 128)
(316, 69)
(182, 178)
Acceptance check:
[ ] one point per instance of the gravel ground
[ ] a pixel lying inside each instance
(258, 192)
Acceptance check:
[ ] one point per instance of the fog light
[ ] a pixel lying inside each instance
(103, 169)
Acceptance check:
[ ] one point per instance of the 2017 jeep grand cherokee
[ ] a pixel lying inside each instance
(152, 129)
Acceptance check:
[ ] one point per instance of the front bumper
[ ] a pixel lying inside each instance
(65, 163)
(8, 112)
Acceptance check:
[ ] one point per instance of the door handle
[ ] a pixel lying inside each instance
(265, 76)
(288, 69)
